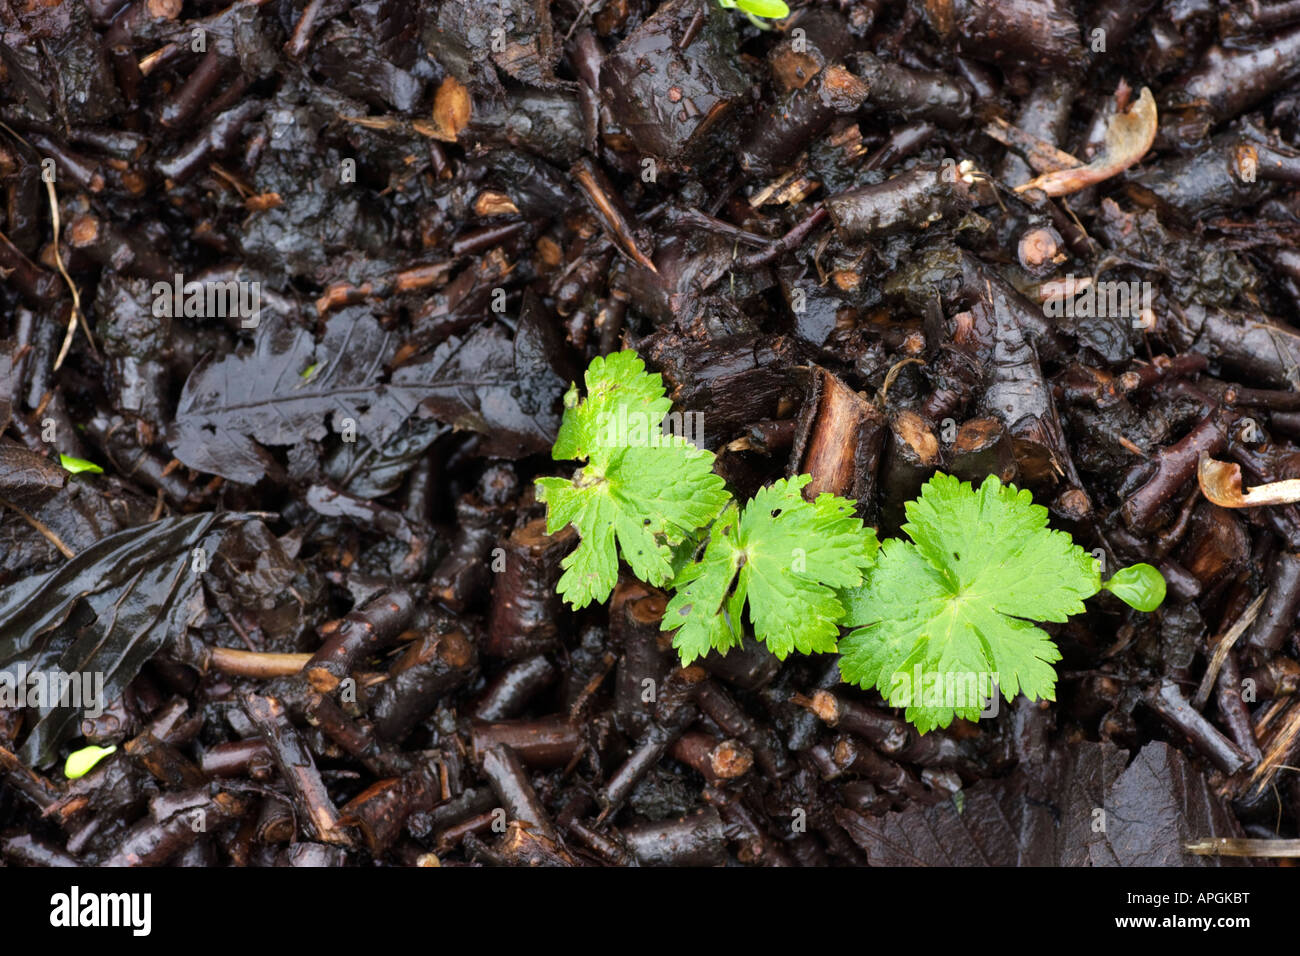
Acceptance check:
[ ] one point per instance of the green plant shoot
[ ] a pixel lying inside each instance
(79, 466)
(641, 492)
(949, 616)
(784, 556)
(81, 762)
(942, 620)
(768, 9)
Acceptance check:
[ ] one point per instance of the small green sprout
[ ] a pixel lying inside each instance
(767, 9)
(1140, 586)
(81, 762)
(78, 466)
(310, 370)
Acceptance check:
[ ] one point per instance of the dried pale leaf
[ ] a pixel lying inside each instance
(491, 202)
(1220, 482)
(1128, 137)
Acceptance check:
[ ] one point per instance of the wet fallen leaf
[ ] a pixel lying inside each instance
(102, 615)
(1093, 812)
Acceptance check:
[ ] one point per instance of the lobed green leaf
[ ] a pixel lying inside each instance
(948, 615)
(641, 499)
(785, 557)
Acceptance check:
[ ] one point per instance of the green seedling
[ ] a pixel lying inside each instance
(81, 762)
(1139, 586)
(641, 493)
(758, 10)
(782, 555)
(79, 466)
(961, 596)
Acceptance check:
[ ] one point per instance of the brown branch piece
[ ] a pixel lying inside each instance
(610, 211)
(1220, 482)
(698, 839)
(258, 664)
(1273, 623)
(1172, 707)
(888, 734)
(1041, 155)
(1223, 646)
(366, 630)
(537, 742)
(28, 782)
(297, 768)
(431, 665)
(525, 613)
(169, 829)
(1239, 846)
(769, 753)
(382, 809)
(510, 783)
(1174, 466)
(714, 760)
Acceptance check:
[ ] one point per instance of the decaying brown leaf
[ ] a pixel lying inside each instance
(1220, 482)
(1128, 138)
